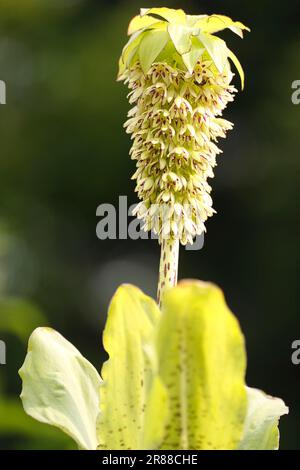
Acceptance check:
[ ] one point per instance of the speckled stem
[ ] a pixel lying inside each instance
(168, 267)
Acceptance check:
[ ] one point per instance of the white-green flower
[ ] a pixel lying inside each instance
(180, 78)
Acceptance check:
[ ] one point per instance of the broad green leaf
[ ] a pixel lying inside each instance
(128, 374)
(140, 22)
(215, 23)
(60, 387)
(239, 68)
(169, 14)
(190, 58)
(201, 359)
(261, 425)
(156, 415)
(216, 48)
(150, 47)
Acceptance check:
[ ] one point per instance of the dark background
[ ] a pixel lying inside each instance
(63, 152)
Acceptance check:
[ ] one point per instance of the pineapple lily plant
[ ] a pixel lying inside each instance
(175, 374)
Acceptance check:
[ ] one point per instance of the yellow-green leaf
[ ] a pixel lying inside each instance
(60, 387)
(140, 22)
(181, 37)
(192, 20)
(216, 48)
(169, 14)
(238, 65)
(215, 23)
(261, 425)
(128, 373)
(129, 50)
(190, 58)
(156, 415)
(150, 47)
(202, 362)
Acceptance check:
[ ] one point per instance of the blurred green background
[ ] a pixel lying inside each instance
(64, 152)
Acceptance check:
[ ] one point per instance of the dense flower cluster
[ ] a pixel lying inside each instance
(175, 124)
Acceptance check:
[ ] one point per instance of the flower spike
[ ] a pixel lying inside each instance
(179, 77)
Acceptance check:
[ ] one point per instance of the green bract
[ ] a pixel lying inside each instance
(178, 39)
(174, 379)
